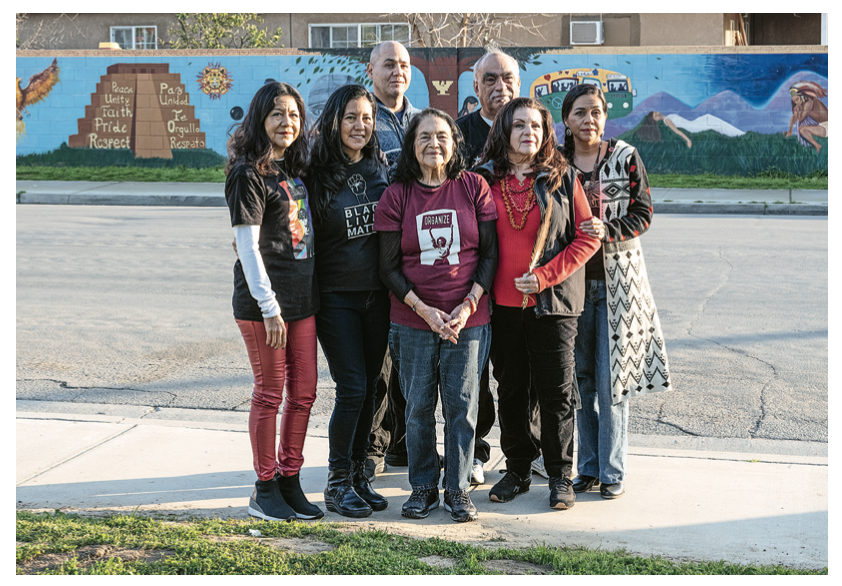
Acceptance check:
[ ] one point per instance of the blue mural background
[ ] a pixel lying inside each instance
(749, 92)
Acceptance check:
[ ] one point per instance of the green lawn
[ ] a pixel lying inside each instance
(69, 544)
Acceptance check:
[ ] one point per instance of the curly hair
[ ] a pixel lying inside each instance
(577, 92)
(328, 162)
(408, 170)
(249, 144)
(547, 160)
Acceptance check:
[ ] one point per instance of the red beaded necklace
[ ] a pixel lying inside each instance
(521, 198)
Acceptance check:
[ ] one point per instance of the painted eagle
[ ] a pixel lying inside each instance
(36, 90)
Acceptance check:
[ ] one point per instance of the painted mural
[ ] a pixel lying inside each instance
(687, 113)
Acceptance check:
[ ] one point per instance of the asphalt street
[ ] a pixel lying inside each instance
(131, 306)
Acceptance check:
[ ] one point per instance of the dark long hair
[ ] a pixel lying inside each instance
(408, 170)
(248, 142)
(577, 92)
(648, 130)
(547, 160)
(328, 162)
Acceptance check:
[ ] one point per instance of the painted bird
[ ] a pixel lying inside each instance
(36, 90)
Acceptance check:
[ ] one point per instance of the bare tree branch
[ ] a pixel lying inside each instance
(43, 33)
(468, 29)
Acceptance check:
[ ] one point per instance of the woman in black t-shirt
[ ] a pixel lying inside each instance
(275, 296)
(345, 180)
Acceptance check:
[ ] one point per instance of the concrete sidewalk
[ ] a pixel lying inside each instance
(667, 200)
(684, 504)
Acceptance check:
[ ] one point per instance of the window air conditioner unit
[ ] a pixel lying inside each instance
(583, 32)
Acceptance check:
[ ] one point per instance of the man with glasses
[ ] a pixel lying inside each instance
(496, 83)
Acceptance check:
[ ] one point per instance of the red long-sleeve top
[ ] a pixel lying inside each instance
(516, 249)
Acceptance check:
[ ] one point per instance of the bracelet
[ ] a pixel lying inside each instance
(417, 299)
(472, 303)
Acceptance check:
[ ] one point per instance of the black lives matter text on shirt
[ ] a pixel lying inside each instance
(359, 220)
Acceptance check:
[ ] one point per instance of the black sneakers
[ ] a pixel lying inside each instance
(509, 487)
(267, 503)
(460, 506)
(290, 488)
(420, 503)
(561, 493)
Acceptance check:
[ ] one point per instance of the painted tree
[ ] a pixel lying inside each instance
(469, 29)
(221, 30)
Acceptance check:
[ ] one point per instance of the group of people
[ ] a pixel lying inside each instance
(425, 254)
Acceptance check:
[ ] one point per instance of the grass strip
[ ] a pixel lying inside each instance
(226, 547)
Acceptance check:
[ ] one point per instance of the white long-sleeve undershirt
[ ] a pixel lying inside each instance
(260, 287)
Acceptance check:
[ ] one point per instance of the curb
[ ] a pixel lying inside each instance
(105, 199)
(752, 209)
(121, 200)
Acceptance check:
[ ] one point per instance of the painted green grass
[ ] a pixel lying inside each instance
(749, 155)
(180, 174)
(193, 550)
(65, 157)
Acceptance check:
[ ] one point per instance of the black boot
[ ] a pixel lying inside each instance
(340, 496)
(290, 487)
(267, 503)
(362, 486)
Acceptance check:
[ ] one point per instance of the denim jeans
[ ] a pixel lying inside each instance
(603, 441)
(353, 329)
(533, 356)
(429, 366)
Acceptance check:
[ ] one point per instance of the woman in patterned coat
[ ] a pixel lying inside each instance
(620, 349)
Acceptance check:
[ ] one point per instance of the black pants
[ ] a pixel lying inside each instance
(537, 353)
(388, 429)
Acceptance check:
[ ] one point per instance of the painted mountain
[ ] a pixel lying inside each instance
(726, 106)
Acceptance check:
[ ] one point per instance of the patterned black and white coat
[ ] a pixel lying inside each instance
(637, 352)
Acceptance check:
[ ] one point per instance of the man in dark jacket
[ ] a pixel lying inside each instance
(390, 74)
(496, 83)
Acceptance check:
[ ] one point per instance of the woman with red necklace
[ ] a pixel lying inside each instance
(537, 294)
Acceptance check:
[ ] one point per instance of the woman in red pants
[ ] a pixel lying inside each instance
(275, 297)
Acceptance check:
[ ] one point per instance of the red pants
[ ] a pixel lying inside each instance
(295, 367)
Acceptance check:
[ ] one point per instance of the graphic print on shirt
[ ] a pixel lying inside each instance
(359, 219)
(438, 237)
(299, 218)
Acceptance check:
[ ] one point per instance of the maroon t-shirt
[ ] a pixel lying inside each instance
(439, 242)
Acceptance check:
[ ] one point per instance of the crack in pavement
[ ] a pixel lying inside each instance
(64, 385)
(768, 382)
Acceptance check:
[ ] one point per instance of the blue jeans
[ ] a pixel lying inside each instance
(353, 329)
(429, 365)
(603, 438)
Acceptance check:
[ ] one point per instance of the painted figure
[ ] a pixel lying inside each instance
(650, 132)
(37, 89)
(809, 113)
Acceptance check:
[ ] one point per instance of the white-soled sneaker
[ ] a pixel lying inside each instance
(477, 474)
(538, 467)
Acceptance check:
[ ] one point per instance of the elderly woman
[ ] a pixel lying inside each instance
(274, 292)
(620, 350)
(346, 179)
(538, 294)
(438, 255)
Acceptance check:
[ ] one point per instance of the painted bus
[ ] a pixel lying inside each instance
(551, 88)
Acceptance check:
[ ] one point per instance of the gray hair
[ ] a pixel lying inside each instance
(494, 49)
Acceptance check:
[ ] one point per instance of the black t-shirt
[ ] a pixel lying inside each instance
(475, 132)
(346, 243)
(278, 204)
(595, 267)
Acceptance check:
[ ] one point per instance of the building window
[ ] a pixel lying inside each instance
(343, 36)
(135, 37)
